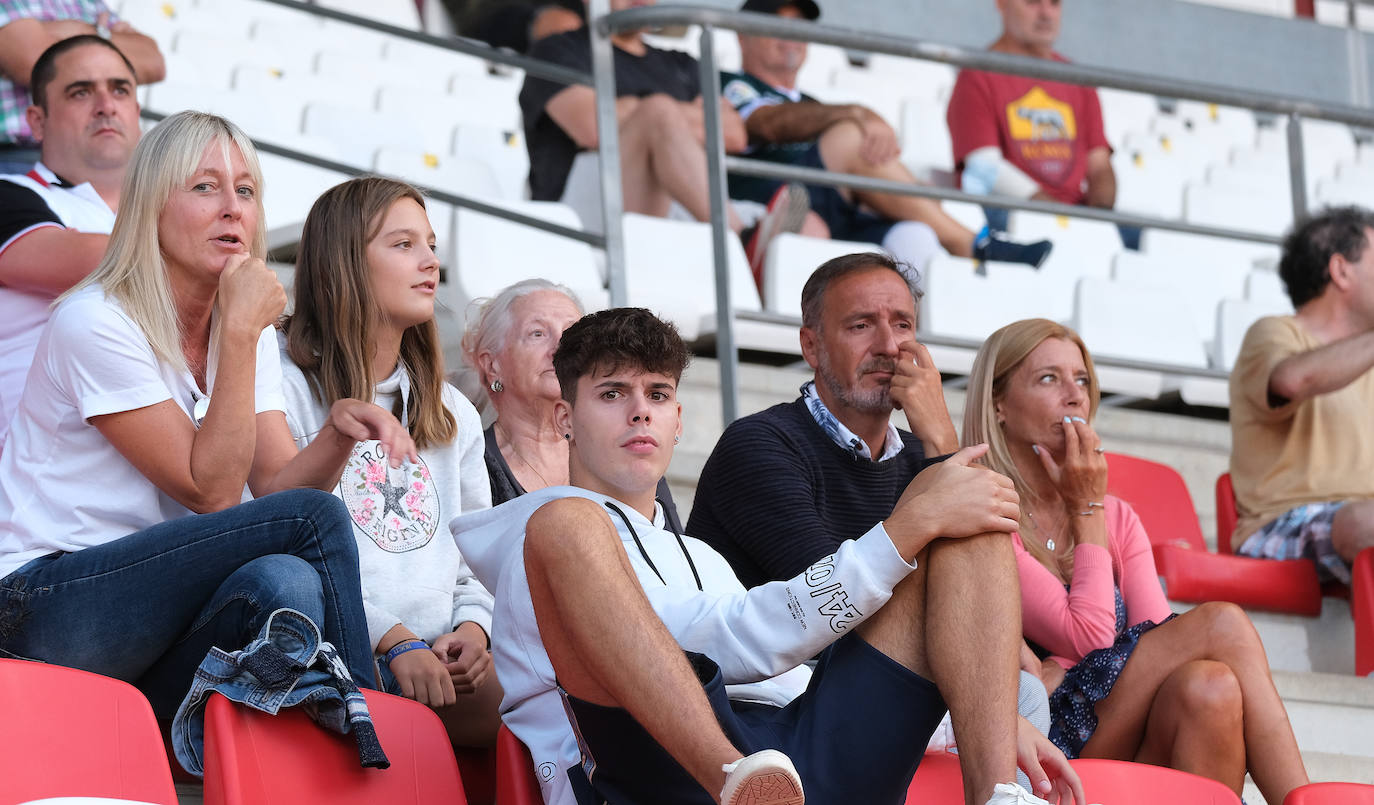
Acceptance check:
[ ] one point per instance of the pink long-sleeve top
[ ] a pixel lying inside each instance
(1070, 623)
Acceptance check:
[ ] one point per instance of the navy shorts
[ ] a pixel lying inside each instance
(856, 734)
(847, 220)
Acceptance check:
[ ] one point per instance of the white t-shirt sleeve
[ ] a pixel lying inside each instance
(101, 358)
(267, 391)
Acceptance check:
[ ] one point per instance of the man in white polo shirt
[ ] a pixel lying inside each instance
(55, 220)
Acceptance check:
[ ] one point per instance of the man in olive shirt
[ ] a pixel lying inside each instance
(1302, 403)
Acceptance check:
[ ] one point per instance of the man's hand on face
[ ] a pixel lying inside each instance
(917, 391)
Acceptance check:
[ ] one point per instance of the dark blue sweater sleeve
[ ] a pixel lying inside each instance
(758, 498)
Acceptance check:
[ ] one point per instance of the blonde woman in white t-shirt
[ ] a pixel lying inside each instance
(363, 326)
(155, 396)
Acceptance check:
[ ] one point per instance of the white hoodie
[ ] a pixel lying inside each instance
(411, 573)
(758, 637)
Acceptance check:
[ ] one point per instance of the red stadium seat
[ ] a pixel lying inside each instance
(1192, 574)
(1121, 783)
(1226, 513)
(477, 767)
(1331, 794)
(938, 781)
(252, 758)
(515, 780)
(70, 733)
(1362, 607)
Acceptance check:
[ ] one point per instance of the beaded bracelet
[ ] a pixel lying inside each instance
(404, 646)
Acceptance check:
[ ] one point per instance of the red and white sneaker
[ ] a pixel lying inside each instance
(786, 212)
(763, 778)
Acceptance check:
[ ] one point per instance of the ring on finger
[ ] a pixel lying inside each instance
(1099, 449)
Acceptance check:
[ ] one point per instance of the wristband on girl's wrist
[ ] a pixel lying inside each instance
(404, 646)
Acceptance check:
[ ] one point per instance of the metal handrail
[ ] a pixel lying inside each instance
(351, 170)
(471, 47)
(606, 24)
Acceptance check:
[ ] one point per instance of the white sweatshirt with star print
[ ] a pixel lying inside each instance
(412, 572)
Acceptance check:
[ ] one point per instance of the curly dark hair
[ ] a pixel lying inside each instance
(1307, 250)
(609, 340)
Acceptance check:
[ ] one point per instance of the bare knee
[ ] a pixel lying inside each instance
(840, 144)
(655, 113)
(1352, 529)
(1208, 693)
(1228, 629)
(985, 554)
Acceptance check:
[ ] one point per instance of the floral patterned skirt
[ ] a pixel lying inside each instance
(1073, 716)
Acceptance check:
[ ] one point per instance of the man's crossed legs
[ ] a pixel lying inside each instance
(953, 621)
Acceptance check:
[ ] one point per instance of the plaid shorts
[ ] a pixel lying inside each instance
(1303, 532)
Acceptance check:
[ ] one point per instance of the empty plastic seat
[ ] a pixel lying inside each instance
(490, 253)
(1362, 607)
(1136, 322)
(296, 90)
(1123, 111)
(216, 48)
(1234, 317)
(359, 135)
(961, 303)
(1226, 513)
(926, 80)
(1082, 247)
(938, 781)
(1189, 572)
(1200, 287)
(458, 175)
(516, 783)
(1238, 208)
(495, 98)
(1148, 182)
(1202, 250)
(669, 269)
(1339, 192)
(790, 261)
(404, 15)
(880, 92)
(1122, 783)
(819, 68)
(404, 57)
(1331, 794)
(503, 150)
(924, 135)
(1225, 124)
(252, 758)
(71, 733)
(1265, 288)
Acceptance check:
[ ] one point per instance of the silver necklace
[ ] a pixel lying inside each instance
(1049, 539)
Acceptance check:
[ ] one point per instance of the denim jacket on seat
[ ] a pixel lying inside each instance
(287, 665)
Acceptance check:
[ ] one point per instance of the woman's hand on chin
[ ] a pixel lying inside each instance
(250, 295)
(361, 421)
(1081, 476)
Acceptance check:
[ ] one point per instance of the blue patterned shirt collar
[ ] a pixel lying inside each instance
(843, 436)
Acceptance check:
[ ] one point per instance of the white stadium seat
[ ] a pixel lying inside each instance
(1197, 286)
(490, 253)
(790, 261)
(359, 134)
(1138, 322)
(1233, 319)
(502, 150)
(669, 269)
(1237, 208)
(960, 302)
(924, 135)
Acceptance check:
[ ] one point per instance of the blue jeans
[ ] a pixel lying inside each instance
(146, 608)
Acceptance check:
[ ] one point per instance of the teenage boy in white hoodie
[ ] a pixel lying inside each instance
(669, 671)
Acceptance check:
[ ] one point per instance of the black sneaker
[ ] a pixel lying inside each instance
(994, 246)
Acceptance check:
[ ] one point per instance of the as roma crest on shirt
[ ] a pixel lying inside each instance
(1044, 132)
(397, 508)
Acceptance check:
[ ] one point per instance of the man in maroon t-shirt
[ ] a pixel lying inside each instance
(1025, 137)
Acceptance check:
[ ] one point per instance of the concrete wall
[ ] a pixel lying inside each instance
(1161, 37)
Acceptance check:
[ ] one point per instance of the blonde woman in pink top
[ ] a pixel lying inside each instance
(1127, 679)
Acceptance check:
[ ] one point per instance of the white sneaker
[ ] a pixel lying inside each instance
(763, 778)
(1013, 794)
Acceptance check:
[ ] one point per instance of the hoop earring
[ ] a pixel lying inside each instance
(496, 386)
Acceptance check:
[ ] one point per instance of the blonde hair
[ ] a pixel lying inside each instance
(133, 270)
(998, 359)
(330, 334)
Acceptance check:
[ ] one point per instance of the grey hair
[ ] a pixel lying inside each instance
(489, 320)
(133, 270)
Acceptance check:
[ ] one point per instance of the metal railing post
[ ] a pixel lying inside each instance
(608, 150)
(1297, 169)
(726, 354)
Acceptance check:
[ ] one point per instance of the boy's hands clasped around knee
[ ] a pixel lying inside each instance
(464, 655)
(955, 498)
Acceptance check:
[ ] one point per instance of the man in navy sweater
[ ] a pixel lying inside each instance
(787, 485)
